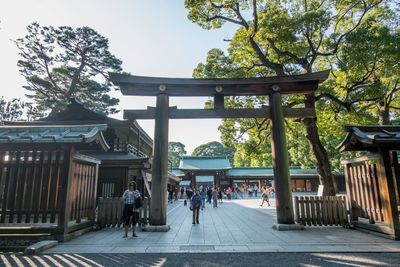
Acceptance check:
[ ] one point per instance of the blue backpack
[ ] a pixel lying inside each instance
(197, 202)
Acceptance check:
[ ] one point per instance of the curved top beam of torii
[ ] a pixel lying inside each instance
(152, 86)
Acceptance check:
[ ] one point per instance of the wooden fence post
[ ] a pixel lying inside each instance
(100, 212)
(296, 210)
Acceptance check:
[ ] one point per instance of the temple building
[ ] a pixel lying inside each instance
(53, 170)
(217, 171)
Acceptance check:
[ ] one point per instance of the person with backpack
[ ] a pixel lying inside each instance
(196, 203)
(132, 203)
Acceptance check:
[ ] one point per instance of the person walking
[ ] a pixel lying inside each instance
(265, 196)
(219, 195)
(131, 198)
(215, 197)
(209, 195)
(229, 193)
(203, 198)
(196, 204)
(255, 189)
(250, 190)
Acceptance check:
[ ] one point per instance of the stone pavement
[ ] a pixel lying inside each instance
(234, 226)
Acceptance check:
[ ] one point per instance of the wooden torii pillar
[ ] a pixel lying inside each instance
(159, 168)
(274, 87)
(280, 161)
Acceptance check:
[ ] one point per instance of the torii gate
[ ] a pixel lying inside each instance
(273, 87)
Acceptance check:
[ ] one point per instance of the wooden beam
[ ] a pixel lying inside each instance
(219, 102)
(175, 113)
(152, 86)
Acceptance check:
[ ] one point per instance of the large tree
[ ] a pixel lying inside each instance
(214, 149)
(288, 37)
(175, 152)
(60, 63)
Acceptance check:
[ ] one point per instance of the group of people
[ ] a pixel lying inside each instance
(197, 199)
(200, 197)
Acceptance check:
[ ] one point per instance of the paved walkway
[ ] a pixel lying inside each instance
(235, 226)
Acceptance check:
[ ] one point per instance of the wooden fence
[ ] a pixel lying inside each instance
(110, 210)
(372, 185)
(313, 210)
(364, 191)
(83, 191)
(30, 184)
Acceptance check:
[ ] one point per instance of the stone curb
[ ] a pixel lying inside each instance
(287, 227)
(156, 228)
(40, 246)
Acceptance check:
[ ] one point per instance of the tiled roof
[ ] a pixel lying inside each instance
(176, 171)
(204, 163)
(370, 138)
(52, 134)
(267, 172)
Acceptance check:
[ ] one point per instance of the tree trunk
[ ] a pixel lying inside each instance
(384, 117)
(326, 177)
(75, 79)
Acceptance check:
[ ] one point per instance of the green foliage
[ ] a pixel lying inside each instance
(60, 63)
(175, 151)
(16, 110)
(368, 67)
(291, 37)
(214, 149)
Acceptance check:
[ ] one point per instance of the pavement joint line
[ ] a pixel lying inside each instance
(174, 208)
(232, 227)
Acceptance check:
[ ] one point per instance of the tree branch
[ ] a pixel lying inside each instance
(333, 98)
(224, 18)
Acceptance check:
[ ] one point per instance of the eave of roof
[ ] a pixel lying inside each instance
(204, 163)
(40, 134)
(370, 138)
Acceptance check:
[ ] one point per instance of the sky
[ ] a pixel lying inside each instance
(151, 37)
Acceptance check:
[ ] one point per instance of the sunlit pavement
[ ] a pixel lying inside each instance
(204, 259)
(236, 233)
(234, 226)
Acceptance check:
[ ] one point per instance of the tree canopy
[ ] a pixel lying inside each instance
(284, 38)
(15, 110)
(213, 149)
(175, 151)
(60, 63)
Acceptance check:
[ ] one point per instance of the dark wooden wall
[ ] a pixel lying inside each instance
(112, 181)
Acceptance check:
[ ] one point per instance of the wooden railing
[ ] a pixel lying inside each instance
(314, 210)
(128, 148)
(110, 211)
